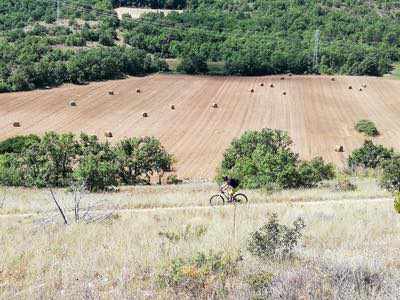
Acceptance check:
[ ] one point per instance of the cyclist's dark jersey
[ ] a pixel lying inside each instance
(233, 182)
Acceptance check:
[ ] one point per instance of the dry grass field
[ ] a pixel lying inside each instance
(136, 13)
(318, 113)
(350, 247)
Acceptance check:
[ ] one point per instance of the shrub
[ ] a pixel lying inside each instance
(200, 275)
(188, 233)
(18, 144)
(390, 179)
(369, 156)
(314, 171)
(367, 127)
(260, 282)
(275, 241)
(173, 179)
(264, 158)
(397, 202)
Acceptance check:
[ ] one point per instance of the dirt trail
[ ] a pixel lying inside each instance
(318, 113)
(208, 207)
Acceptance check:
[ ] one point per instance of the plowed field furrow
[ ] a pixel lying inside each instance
(318, 113)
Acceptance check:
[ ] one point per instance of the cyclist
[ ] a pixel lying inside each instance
(230, 186)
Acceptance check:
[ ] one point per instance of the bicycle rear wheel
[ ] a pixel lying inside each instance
(240, 198)
(217, 200)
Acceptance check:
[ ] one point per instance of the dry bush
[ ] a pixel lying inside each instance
(203, 275)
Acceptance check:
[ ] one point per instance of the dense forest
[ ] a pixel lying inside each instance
(248, 37)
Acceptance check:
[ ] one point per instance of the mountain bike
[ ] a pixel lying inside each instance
(222, 197)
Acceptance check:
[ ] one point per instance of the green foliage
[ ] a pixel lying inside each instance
(190, 232)
(193, 64)
(260, 281)
(367, 127)
(369, 156)
(59, 159)
(314, 171)
(198, 274)
(264, 158)
(18, 144)
(140, 158)
(275, 37)
(247, 37)
(397, 202)
(390, 179)
(10, 172)
(173, 179)
(274, 240)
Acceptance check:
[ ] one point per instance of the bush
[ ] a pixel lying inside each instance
(200, 275)
(367, 127)
(260, 282)
(173, 179)
(275, 241)
(18, 144)
(314, 171)
(390, 179)
(397, 202)
(264, 158)
(369, 156)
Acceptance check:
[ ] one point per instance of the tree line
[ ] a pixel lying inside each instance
(59, 160)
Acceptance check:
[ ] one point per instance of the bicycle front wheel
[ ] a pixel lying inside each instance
(240, 198)
(217, 200)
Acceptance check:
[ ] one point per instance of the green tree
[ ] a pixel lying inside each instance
(264, 158)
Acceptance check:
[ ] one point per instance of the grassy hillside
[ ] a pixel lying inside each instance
(349, 248)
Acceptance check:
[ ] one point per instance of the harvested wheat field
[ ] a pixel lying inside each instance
(318, 113)
(136, 13)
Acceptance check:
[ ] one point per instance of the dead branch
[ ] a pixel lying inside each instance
(59, 207)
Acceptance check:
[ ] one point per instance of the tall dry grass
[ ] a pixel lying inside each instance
(345, 242)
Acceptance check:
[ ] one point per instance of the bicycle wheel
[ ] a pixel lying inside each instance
(240, 198)
(217, 200)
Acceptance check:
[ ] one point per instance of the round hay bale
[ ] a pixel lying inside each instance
(284, 93)
(252, 91)
(172, 107)
(350, 87)
(339, 148)
(290, 74)
(111, 93)
(72, 103)
(215, 105)
(16, 124)
(271, 85)
(262, 84)
(333, 79)
(108, 134)
(282, 78)
(145, 115)
(360, 89)
(138, 90)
